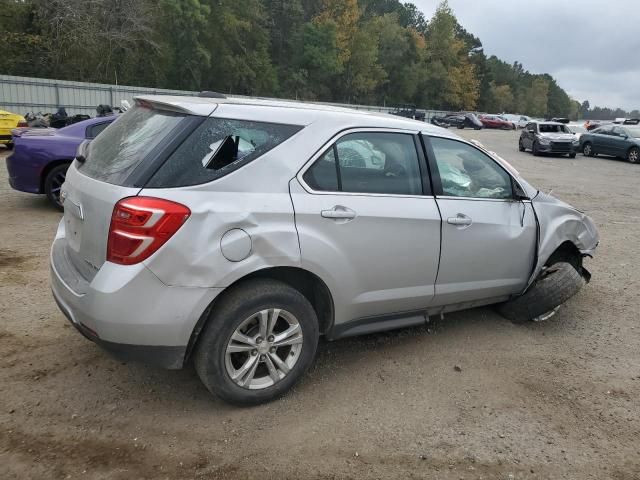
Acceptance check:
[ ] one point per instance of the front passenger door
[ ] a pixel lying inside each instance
(488, 239)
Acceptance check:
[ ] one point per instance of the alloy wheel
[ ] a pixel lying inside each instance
(587, 150)
(56, 185)
(634, 155)
(263, 349)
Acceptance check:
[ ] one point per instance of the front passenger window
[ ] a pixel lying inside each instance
(465, 171)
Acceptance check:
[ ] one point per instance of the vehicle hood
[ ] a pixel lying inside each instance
(559, 223)
(558, 136)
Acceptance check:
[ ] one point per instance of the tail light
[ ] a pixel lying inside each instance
(22, 123)
(140, 226)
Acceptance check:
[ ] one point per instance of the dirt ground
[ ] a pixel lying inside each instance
(558, 399)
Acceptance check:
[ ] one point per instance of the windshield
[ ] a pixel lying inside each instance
(125, 144)
(634, 131)
(553, 128)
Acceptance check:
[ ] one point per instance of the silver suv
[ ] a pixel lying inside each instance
(236, 232)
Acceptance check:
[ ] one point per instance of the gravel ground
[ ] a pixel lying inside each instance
(471, 396)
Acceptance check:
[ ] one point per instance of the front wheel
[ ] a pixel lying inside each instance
(535, 150)
(634, 155)
(521, 146)
(572, 155)
(53, 184)
(259, 341)
(555, 285)
(587, 150)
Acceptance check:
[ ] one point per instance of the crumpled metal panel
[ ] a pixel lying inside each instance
(559, 223)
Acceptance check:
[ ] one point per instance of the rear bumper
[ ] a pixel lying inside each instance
(23, 176)
(127, 310)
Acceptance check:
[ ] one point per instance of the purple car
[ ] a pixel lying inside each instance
(41, 156)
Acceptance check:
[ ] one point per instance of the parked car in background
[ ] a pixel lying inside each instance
(458, 120)
(622, 141)
(593, 124)
(520, 121)
(234, 233)
(511, 124)
(577, 129)
(494, 121)
(9, 121)
(548, 137)
(42, 155)
(409, 111)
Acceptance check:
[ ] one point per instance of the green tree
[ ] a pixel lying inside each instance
(184, 24)
(502, 98)
(537, 98)
(450, 81)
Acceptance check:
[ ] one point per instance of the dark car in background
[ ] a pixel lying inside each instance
(622, 141)
(409, 111)
(41, 156)
(458, 120)
(548, 137)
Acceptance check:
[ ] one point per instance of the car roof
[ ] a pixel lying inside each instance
(289, 111)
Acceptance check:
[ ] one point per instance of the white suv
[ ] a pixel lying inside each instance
(236, 232)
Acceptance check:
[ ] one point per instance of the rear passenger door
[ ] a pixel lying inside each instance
(488, 239)
(368, 224)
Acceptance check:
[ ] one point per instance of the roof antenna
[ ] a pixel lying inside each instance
(210, 94)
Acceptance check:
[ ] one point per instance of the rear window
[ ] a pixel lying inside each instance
(218, 147)
(113, 155)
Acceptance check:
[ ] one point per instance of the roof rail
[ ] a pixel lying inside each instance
(210, 94)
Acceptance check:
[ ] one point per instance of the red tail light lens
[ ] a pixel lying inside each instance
(22, 123)
(140, 226)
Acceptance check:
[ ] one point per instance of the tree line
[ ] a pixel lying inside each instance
(380, 52)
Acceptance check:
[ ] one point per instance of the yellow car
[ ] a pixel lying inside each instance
(9, 121)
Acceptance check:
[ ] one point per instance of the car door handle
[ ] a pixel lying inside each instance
(339, 213)
(460, 220)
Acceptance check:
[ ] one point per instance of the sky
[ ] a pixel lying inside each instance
(591, 47)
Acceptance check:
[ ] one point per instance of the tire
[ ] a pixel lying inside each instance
(587, 150)
(521, 146)
(242, 304)
(572, 155)
(634, 155)
(534, 149)
(555, 285)
(9, 145)
(460, 127)
(53, 183)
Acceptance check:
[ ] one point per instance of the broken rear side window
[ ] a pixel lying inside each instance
(218, 147)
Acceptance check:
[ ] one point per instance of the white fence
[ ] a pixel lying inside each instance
(25, 94)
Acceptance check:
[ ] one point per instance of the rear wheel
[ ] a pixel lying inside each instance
(535, 149)
(572, 155)
(9, 146)
(587, 149)
(634, 155)
(53, 184)
(555, 285)
(259, 341)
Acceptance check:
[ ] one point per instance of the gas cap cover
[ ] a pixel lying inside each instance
(236, 245)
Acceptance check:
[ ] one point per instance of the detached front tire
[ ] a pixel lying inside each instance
(259, 341)
(555, 285)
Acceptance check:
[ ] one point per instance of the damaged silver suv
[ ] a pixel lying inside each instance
(234, 233)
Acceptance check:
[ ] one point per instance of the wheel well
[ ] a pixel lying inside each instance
(566, 252)
(50, 166)
(308, 284)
